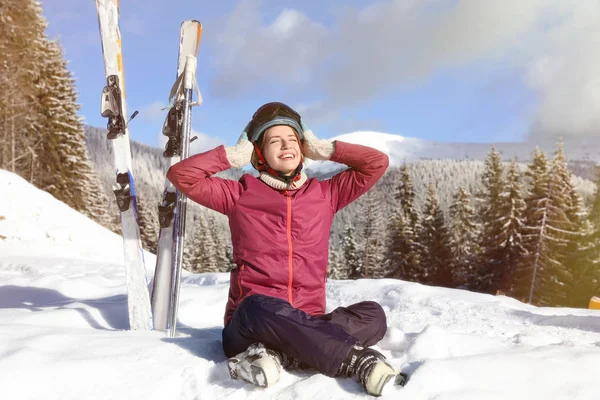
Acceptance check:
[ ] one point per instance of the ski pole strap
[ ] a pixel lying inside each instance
(177, 91)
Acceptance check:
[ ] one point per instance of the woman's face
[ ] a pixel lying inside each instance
(281, 149)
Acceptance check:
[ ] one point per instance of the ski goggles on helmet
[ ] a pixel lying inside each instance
(272, 114)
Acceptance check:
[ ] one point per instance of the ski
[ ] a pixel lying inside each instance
(114, 108)
(172, 210)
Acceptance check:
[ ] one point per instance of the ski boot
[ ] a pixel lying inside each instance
(257, 365)
(370, 368)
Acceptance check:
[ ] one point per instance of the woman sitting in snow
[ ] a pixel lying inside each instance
(280, 225)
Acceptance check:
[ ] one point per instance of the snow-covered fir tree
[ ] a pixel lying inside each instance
(396, 243)
(336, 268)
(352, 258)
(204, 258)
(578, 230)
(373, 266)
(406, 194)
(534, 216)
(436, 257)
(491, 240)
(149, 224)
(222, 261)
(402, 244)
(582, 262)
(463, 239)
(543, 277)
(188, 255)
(229, 254)
(511, 216)
(586, 266)
(42, 137)
(63, 156)
(22, 41)
(566, 224)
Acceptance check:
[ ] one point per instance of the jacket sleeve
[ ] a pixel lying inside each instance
(366, 164)
(193, 177)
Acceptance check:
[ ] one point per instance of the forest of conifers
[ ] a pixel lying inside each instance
(530, 230)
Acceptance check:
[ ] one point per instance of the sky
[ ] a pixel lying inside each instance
(447, 70)
(64, 328)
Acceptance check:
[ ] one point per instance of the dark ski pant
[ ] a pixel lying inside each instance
(321, 342)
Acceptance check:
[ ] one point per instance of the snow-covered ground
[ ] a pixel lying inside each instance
(63, 328)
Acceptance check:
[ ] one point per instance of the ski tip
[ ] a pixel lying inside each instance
(191, 22)
(189, 26)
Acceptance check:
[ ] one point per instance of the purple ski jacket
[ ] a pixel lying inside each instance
(280, 238)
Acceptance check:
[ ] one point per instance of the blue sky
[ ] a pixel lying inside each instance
(446, 70)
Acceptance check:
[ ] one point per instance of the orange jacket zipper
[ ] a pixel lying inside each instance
(240, 281)
(289, 237)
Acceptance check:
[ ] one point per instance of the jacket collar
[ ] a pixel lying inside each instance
(281, 185)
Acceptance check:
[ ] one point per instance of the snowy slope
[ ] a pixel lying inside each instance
(63, 327)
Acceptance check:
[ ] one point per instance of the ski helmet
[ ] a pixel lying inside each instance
(272, 114)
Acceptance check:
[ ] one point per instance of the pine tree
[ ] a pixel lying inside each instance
(511, 216)
(582, 261)
(491, 241)
(372, 234)
(576, 259)
(222, 262)
(402, 245)
(22, 40)
(203, 253)
(463, 242)
(397, 246)
(352, 257)
(229, 254)
(188, 255)
(336, 268)
(435, 267)
(543, 276)
(586, 264)
(534, 216)
(149, 225)
(42, 136)
(68, 172)
(406, 196)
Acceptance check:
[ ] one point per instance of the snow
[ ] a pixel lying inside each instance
(63, 323)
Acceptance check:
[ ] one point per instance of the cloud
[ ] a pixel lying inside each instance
(288, 50)
(391, 45)
(565, 72)
(398, 43)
